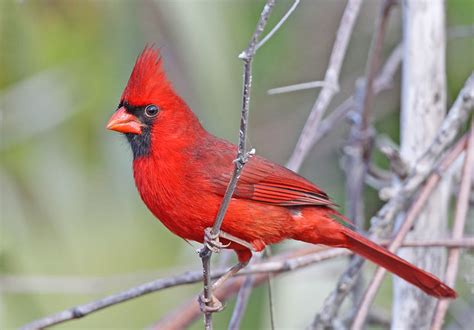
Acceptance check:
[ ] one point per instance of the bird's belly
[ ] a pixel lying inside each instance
(250, 221)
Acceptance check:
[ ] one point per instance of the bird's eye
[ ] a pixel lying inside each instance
(151, 110)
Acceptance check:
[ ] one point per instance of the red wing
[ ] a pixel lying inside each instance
(266, 182)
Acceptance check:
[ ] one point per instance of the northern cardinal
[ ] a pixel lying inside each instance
(181, 172)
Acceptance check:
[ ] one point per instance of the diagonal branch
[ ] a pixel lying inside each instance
(278, 264)
(360, 143)
(448, 131)
(411, 216)
(331, 80)
(458, 228)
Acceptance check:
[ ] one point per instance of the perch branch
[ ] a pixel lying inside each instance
(242, 154)
(286, 262)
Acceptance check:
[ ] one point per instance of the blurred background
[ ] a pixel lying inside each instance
(73, 228)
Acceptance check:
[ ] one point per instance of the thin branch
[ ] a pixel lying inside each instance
(286, 262)
(299, 87)
(183, 316)
(242, 154)
(458, 229)
(243, 297)
(383, 82)
(391, 150)
(456, 117)
(359, 146)
(410, 218)
(462, 31)
(347, 279)
(279, 24)
(241, 303)
(305, 141)
(271, 306)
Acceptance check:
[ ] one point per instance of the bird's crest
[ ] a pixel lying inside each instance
(148, 80)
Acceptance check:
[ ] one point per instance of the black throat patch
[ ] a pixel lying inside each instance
(140, 143)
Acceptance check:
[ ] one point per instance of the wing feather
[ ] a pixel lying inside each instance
(267, 182)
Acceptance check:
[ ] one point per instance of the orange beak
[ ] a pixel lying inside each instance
(124, 122)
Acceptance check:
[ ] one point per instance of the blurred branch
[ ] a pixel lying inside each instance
(283, 263)
(306, 139)
(450, 127)
(183, 316)
(360, 142)
(298, 87)
(347, 279)
(242, 156)
(410, 218)
(391, 150)
(242, 299)
(383, 82)
(458, 228)
(462, 31)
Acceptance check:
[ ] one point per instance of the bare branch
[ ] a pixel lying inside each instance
(286, 262)
(331, 78)
(299, 87)
(458, 229)
(411, 216)
(391, 150)
(383, 82)
(279, 24)
(347, 279)
(456, 117)
(359, 147)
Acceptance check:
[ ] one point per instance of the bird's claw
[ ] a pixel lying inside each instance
(210, 305)
(211, 241)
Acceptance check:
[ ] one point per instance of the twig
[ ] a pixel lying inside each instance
(458, 229)
(298, 87)
(242, 299)
(286, 262)
(392, 152)
(241, 303)
(383, 82)
(449, 128)
(347, 279)
(462, 31)
(183, 316)
(279, 24)
(359, 146)
(411, 216)
(331, 78)
(242, 154)
(271, 307)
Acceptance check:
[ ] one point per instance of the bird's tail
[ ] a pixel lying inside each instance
(333, 229)
(409, 272)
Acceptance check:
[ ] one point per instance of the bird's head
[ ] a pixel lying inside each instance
(148, 107)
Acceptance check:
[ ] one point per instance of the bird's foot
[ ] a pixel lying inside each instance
(211, 241)
(209, 305)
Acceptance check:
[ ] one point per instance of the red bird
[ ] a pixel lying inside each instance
(182, 171)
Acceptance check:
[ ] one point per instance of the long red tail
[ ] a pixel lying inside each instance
(410, 273)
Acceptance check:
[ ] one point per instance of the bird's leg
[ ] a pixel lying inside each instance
(213, 304)
(211, 241)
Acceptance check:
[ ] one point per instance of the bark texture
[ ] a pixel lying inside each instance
(423, 109)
